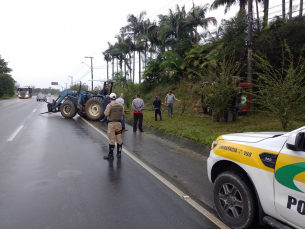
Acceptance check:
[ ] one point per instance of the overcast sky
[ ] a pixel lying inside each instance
(46, 41)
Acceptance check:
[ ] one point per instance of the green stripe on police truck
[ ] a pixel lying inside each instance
(287, 173)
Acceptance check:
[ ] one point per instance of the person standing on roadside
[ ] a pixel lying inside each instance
(114, 112)
(169, 100)
(137, 106)
(157, 105)
(105, 102)
(120, 100)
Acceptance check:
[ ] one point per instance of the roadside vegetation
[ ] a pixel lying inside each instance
(199, 127)
(7, 83)
(178, 52)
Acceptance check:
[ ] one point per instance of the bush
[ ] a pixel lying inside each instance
(220, 90)
(281, 91)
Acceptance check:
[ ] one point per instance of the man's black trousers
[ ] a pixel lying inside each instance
(158, 112)
(137, 117)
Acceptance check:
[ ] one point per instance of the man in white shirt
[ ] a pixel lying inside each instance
(120, 100)
(169, 100)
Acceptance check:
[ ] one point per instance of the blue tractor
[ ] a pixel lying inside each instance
(83, 103)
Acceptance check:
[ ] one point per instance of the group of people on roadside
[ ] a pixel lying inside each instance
(115, 116)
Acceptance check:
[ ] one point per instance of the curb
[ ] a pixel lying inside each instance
(182, 142)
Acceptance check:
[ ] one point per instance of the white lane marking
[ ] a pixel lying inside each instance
(14, 134)
(193, 203)
(34, 110)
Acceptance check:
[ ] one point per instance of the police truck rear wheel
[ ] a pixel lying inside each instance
(234, 201)
(94, 109)
(67, 109)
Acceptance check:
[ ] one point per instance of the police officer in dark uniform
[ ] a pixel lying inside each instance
(114, 112)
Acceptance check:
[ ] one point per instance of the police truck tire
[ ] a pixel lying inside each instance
(67, 109)
(234, 201)
(94, 109)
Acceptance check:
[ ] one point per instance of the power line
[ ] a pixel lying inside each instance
(161, 9)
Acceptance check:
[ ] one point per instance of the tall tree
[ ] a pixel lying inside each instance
(4, 66)
(6, 81)
(197, 17)
(229, 3)
(136, 27)
(107, 58)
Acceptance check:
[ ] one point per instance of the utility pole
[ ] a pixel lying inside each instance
(71, 80)
(66, 85)
(91, 70)
(249, 45)
(301, 8)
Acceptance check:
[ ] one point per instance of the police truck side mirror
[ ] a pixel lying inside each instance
(295, 141)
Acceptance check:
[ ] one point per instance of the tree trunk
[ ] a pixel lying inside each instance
(130, 68)
(107, 71)
(139, 67)
(283, 9)
(145, 55)
(266, 13)
(125, 67)
(134, 57)
(112, 67)
(257, 16)
(121, 66)
(117, 66)
(301, 8)
(290, 9)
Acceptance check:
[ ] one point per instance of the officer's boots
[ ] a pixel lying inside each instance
(119, 150)
(110, 154)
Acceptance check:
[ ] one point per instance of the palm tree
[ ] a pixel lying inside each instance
(135, 26)
(229, 3)
(171, 27)
(110, 50)
(144, 39)
(107, 58)
(196, 17)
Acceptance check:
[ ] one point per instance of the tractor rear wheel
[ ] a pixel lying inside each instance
(94, 109)
(67, 109)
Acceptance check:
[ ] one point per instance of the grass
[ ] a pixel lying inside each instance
(8, 97)
(200, 127)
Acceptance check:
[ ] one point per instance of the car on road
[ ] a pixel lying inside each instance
(259, 178)
(41, 97)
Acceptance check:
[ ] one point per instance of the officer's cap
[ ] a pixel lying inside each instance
(112, 96)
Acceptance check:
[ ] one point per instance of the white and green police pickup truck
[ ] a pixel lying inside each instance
(259, 178)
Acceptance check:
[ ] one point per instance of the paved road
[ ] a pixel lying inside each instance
(52, 175)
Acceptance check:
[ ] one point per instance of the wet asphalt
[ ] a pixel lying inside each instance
(53, 175)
